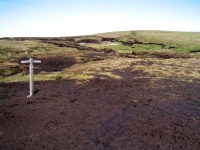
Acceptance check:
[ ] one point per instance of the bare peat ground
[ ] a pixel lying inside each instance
(134, 112)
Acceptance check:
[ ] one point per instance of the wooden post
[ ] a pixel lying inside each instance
(30, 61)
(31, 77)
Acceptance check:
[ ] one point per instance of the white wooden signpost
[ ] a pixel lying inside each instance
(31, 61)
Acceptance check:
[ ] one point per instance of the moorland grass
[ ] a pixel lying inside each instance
(182, 43)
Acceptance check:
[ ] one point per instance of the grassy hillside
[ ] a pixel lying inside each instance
(57, 54)
(182, 41)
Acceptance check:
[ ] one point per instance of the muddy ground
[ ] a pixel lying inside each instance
(134, 112)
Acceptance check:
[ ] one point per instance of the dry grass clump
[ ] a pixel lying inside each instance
(176, 68)
(102, 68)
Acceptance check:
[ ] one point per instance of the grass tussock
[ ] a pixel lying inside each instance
(110, 75)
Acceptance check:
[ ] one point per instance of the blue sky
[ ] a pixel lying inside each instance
(49, 18)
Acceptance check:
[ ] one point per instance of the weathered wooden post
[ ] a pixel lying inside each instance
(31, 61)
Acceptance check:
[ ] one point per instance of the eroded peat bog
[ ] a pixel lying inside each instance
(92, 99)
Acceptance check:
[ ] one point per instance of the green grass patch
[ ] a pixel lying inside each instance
(148, 47)
(183, 41)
